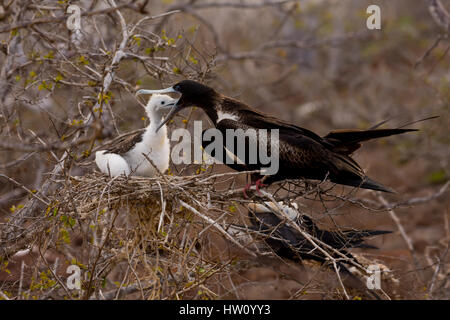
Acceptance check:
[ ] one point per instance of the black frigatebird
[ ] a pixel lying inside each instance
(284, 239)
(287, 242)
(302, 153)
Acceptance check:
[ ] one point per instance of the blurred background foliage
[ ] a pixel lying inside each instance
(311, 62)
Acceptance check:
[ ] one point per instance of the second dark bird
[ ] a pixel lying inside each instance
(302, 153)
(287, 242)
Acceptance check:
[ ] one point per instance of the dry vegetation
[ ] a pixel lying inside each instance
(183, 235)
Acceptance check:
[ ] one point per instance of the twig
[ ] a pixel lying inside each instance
(402, 231)
(216, 225)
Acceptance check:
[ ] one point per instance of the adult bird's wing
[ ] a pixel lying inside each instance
(303, 157)
(300, 154)
(124, 143)
(340, 141)
(256, 119)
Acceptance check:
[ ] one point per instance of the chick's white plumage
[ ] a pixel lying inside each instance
(131, 158)
(111, 163)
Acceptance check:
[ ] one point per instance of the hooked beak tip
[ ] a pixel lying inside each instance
(169, 116)
(139, 92)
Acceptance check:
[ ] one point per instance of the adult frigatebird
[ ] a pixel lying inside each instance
(287, 242)
(281, 235)
(302, 153)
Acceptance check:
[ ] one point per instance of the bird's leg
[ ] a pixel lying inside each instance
(258, 184)
(246, 188)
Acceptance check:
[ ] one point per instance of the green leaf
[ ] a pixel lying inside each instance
(437, 177)
(49, 55)
(83, 60)
(58, 78)
(193, 60)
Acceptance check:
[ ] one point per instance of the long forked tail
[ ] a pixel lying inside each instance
(403, 125)
(350, 173)
(364, 183)
(372, 184)
(356, 238)
(347, 141)
(352, 136)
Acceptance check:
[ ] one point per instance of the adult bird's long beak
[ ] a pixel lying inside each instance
(169, 116)
(173, 110)
(145, 91)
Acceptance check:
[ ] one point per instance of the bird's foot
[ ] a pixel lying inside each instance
(258, 184)
(246, 188)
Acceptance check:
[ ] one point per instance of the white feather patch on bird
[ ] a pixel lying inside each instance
(226, 115)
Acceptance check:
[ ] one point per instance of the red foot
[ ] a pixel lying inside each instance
(247, 187)
(258, 185)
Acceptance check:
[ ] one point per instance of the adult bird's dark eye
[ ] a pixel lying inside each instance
(162, 102)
